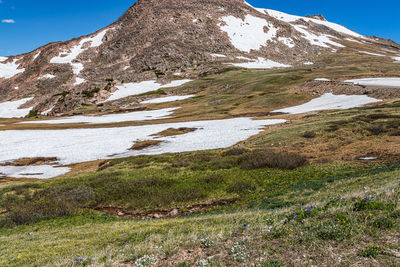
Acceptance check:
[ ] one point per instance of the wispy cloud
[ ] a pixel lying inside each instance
(7, 20)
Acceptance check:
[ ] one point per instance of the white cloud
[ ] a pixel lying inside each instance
(7, 20)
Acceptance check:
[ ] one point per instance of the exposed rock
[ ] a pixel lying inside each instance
(154, 40)
(319, 16)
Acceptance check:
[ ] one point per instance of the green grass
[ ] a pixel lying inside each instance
(142, 184)
(254, 211)
(303, 234)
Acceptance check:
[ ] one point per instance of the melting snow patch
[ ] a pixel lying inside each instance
(3, 59)
(292, 18)
(79, 81)
(47, 111)
(111, 118)
(130, 89)
(322, 40)
(308, 63)
(330, 102)
(10, 69)
(46, 76)
(167, 99)
(372, 54)
(68, 57)
(368, 158)
(11, 109)
(35, 56)
(218, 55)
(249, 34)
(390, 82)
(287, 41)
(322, 80)
(260, 63)
(36, 172)
(397, 59)
(81, 145)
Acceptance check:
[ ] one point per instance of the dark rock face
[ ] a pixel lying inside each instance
(319, 17)
(153, 40)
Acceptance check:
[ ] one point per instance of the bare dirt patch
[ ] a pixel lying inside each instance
(322, 87)
(175, 131)
(167, 213)
(30, 161)
(145, 144)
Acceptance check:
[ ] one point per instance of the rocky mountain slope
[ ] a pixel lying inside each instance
(168, 40)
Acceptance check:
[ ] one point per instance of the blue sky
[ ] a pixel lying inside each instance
(38, 22)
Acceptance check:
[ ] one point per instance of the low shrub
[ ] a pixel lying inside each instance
(213, 178)
(241, 186)
(267, 159)
(333, 231)
(309, 134)
(270, 263)
(33, 114)
(237, 151)
(383, 223)
(223, 163)
(394, 133)
(376, 129)
(395, 214)
(90, 92)
(371, 251)
(369, 203)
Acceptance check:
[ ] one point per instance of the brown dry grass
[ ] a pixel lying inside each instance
(175, 131)
(145, 144)
(30, 161)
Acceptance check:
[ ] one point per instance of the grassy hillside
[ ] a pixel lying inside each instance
(350, 218)
(298, 194)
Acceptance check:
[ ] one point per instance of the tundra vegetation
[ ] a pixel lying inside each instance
(301, 193)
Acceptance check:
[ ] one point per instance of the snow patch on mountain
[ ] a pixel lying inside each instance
(390, 82)
(81, 145)
(248, 34)
(69, 57)
(36, 56)
(10, 69)
(287, 41)
(371, 54)
(260, 63)
(79, 81)
(293, 18)
(34, 172)
(129, 89)
(330, 101)
(46, 76)
(111, 118)
(218, 55)
(167, 99)
(322, 40)
(10, 109)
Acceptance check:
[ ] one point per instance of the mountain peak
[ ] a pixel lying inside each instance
(319, 17)
(155, 39)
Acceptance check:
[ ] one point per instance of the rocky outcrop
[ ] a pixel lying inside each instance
(155, 40)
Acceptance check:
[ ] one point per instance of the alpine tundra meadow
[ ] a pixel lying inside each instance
(199, 133)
